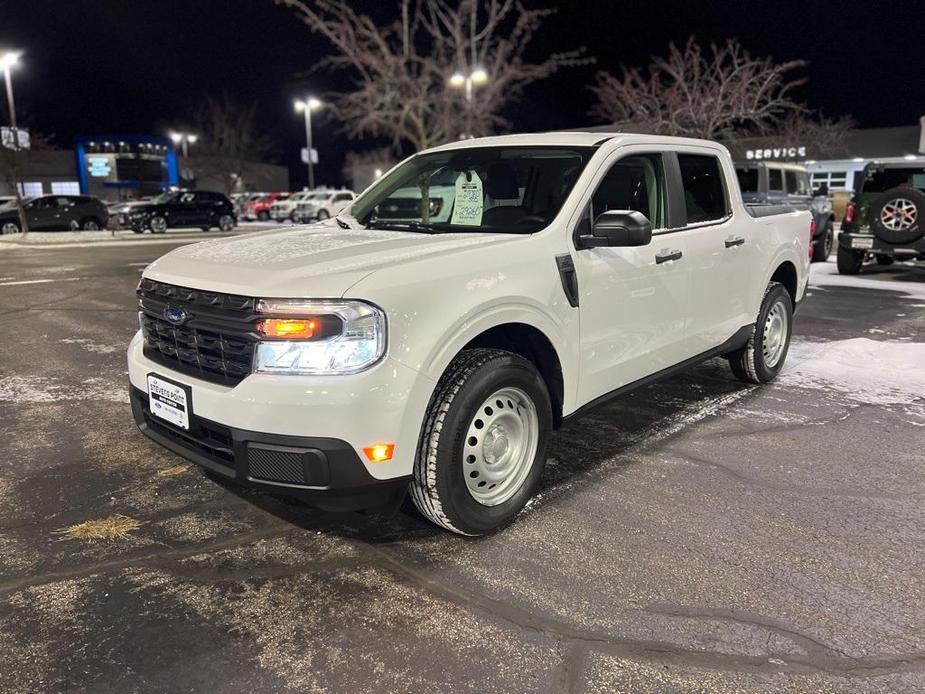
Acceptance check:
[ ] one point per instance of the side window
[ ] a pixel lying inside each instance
(775, 180)
(188, 198)
(704, 192)
(342, 197)
(634, 183)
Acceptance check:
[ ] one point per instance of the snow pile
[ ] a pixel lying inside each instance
(865, 370)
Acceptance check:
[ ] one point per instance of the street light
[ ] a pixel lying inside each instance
(468, 81)
(8, 61)
(306, 106)
(184, 140)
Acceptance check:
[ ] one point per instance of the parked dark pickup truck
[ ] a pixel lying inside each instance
(772, 183)
(885, 219)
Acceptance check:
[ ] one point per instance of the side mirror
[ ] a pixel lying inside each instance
(618, 228)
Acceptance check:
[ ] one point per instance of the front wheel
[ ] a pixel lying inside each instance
(9, 227)
(322, 215)
(483, 444)
(762, 357)
(226, 222)
(849, 262)
(263, 216)
(158, 225)
(823, 248)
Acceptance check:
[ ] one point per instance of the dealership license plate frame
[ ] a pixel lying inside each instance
(862, 243)
(168, 406)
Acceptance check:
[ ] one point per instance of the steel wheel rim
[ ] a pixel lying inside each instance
(10, 228)
(898, 214)
(775, 334)
(500, 446)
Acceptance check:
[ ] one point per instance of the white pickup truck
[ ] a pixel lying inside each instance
(352, 361)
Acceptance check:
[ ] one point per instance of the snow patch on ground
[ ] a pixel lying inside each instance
(20, 390)
(90, 345)
(863, 370)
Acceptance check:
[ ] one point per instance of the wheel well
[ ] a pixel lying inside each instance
(533, 346)
(786, 274)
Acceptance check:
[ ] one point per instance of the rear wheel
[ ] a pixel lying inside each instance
(322, 215)
(263, 216)
(762, 357)
(483, 445)
(90, 224)
(9, 227)
(823, 248)
(849, 262)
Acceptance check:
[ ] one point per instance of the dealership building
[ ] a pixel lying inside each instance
(125, 167)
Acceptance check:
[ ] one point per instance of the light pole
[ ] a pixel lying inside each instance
(306, 106)
(468, 81)
(184, 140)
(8, 61)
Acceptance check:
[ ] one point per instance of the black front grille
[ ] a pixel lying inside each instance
(215, 340)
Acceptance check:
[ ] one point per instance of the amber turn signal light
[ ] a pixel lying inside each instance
(291, 328)
(379, 452)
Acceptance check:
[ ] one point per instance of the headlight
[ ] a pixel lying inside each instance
(335, 337)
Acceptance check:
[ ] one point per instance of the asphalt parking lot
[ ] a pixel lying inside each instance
(697, 535)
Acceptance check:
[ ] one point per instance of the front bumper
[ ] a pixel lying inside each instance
(333, 416)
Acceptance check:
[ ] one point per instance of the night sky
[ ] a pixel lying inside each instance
(142, 66)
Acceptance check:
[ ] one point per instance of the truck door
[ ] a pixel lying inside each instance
(722, 253)
(633, 301)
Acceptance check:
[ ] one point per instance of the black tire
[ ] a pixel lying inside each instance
(439, 488)
(138, 230)
(158, 225)
(90, 224)
(849, 262)
(10, 226)
(914, 202)
(885, 260)
(823, 248)
(205, 228)
(322, 215)
(263, 216)
(750, 363)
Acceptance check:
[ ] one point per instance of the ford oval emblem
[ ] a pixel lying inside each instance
(175, 315)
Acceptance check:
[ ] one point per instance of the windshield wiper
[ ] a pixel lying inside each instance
(418, 227)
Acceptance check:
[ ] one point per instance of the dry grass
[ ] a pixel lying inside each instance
(113, 528)
(172, 471)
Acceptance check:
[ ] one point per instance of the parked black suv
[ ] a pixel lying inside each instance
(180, 208)
(55, 213)
(885, 219)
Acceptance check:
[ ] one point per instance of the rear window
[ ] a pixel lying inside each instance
(704, 192)
(880, 180)
(748, 180)
(797, 182)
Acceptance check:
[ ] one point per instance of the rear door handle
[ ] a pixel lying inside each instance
(738, 241)
(665, 256)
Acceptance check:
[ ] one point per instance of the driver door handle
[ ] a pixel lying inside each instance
(665, 256)
(735, 241)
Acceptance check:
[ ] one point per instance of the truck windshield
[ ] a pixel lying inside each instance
(479, 189)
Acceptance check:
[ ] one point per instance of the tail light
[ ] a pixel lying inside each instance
(851, 212)
(812, 234)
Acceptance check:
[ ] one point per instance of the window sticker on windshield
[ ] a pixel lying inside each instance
(468, 208)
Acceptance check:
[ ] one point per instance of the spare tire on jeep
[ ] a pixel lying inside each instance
(897, 216)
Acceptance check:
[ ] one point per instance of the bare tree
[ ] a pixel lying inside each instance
(230, 142)
(691, 93)
(826, 135)
(401, 71)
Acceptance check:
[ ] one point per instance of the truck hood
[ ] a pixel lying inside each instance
(321, 261)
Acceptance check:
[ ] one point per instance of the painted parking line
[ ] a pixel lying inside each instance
(63, 279)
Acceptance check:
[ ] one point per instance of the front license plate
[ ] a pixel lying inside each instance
(168, 401)
(862, 243)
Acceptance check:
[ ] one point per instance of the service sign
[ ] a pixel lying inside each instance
(796, 152)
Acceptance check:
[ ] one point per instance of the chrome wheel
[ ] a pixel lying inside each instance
(158, 225)
(9, 228)
(225, 223)
(500, 446)
(898, 214)
(775, 334)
